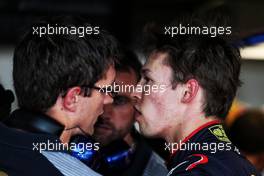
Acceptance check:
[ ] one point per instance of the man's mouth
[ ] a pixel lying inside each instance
(138, 113)
(101, 112)
(102, 125)
(137, 109)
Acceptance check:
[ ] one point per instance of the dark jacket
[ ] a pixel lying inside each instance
(17, 156)
(143, 162)
(211, 154)
(21, 144)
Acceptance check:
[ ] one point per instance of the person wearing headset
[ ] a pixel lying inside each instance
(60, 82)
(124, 151)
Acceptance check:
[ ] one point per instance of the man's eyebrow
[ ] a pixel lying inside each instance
(144, 71)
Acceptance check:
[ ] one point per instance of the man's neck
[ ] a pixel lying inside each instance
(66, 134)
(129, 139)
(186, 127)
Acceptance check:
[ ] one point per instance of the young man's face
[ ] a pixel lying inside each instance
(92, 107)
(118, 118)
(158, 109)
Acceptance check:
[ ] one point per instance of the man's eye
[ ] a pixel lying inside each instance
(106, 89)
(121, 100)
(109, 89)
(147, 80)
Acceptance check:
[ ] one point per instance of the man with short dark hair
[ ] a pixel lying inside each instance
(58, 80)
(124, 151)
(200, 75)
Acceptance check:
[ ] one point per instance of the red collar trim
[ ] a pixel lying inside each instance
(195, 132)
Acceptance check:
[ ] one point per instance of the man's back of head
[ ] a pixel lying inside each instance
(60, 70)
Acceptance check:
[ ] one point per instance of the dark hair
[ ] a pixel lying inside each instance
(6, 100)
(45, 67)
(247, 131)
(213, 62)
(129, 61)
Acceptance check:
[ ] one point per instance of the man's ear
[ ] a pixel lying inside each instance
(69, 102)
(191, 88)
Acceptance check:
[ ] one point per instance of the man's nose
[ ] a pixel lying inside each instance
(108, 110)
(108, 99)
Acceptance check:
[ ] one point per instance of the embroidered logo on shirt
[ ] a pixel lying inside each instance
(219, 133)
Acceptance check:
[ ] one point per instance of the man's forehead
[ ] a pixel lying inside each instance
(126, 77)
(154, 62)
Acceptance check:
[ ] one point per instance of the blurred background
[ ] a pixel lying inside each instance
(126, 20)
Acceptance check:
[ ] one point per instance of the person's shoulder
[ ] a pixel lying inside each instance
(156, 159)
(155, 166)
(67, 164)
(207, 165)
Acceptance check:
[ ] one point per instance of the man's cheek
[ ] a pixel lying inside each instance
(157, 102)
(100, 101)
(149, 109)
